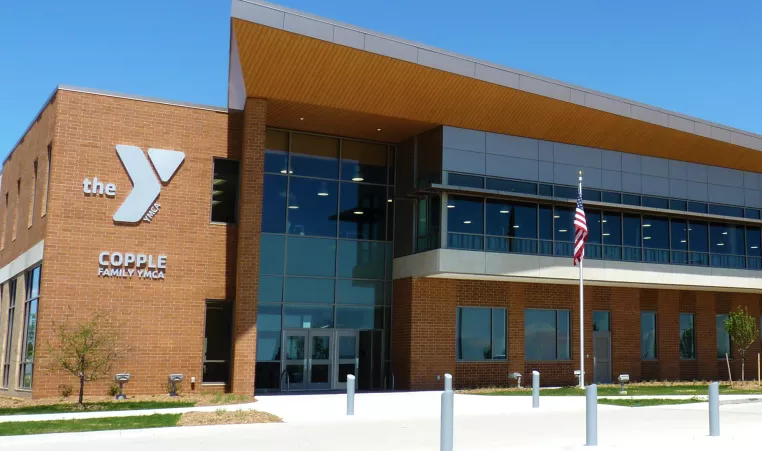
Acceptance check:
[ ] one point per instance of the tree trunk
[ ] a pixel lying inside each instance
(81, 387)
(743, 371)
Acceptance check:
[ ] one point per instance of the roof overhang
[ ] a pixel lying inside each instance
(328, 77)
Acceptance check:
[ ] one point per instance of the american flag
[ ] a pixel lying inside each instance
(580, 230)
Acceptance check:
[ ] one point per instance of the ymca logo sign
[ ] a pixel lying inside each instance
(141, 203)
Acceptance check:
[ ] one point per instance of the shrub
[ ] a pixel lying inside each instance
(113, 390)
(65, 390)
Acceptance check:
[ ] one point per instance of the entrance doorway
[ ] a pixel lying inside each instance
(601, 347)
(318, 359)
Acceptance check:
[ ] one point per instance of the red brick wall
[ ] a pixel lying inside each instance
(249, 231)
(423, 331)
(161, 321)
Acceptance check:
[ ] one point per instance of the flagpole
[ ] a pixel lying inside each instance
(581, 314)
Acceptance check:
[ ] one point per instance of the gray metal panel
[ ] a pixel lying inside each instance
(546, 151)
(350, 38)
(631, 163)
(745, 140)
(578, 97)
(678, 170)
(697, 191)
(751, 180)
(658, 167)
(607, 104)
(544, 88)
(497, 76)
(446, 63)
(611, 160)
(545, 172)
(680, 123)
(569, 175)
(649, 115)
(631, 182)
(257, 14)
(678, 189)
(753, 198)
(308, 27)
(724, 177)
(696, 172)
(393, 49)
(576, 155)
(702, 129)
(462, 161)
(513, 146)
(654, 186)
(611, 180)
(720, 134)
(463, 139)
(511, 167)
(725, 195)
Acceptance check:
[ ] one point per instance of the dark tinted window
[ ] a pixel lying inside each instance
(593, 219)
(309, 290)
(308, 316)
(312, 207)
(591, 194)
(274, 204)
(611, 228)
(631, 230)
(545, 190)
(725, 210)
(363, 161)
(655, 232)
(698, 234)
(469, 181)
(480, 334)
(314, 156)
(271, 254)
(359, 318)
(752, 213)
(687, 336)
(630, 199)
(563, 224)
(648, 335)
(723, 338)
(362, 211)
(655, 202)
(225, 191)
(546, 335)
(217, 342)
(512, 186)
(565, 192)
(361, 259)
(311, 257)
(545, 217)
(465, 214)
(697, 207)
(512, 219)
(679, 234)
(680, 205)
(614, 198)
(365, 292)
(753, 241)
(270, 289)
(726, 239)
(601, 321)
(276, 152)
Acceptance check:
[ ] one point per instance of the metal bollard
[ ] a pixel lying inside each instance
(446, 426)
(591, 417)
(714, 409)
(350, 395)
(535, 389)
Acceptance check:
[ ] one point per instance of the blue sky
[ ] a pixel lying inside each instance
(700, 58)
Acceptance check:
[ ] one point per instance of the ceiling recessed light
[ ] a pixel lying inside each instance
(357, 179)
(605, 220)
(724, 233)
(451, 206)
(466, 222)
(720, 244)
(646, 237)
(515, 227)
(504, 211)
(556, 216)
(293, 207)
(358, 212)
(389, 200)
(301, 118)
(646, 225)
(322, 193)
(378, 129)
(683, 241)
(606, 234)
(755, 247)
(562, 230)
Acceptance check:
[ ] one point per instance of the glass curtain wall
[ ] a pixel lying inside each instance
(326, 249)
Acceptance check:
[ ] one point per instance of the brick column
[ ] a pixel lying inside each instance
(249, 230)
(668, 325)
(625, 332)
(706, 336)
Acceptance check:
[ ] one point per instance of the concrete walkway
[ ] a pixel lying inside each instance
(410, 421)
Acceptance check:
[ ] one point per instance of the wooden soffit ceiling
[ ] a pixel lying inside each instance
(293, 69)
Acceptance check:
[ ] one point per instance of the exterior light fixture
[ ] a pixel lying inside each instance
(121, 379)
(623, 379)
(174, 379)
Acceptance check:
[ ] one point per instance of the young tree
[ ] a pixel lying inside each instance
(87, 350)
(742, 329)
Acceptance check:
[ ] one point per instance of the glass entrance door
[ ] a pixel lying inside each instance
(347, 362)
(293, 375)
(320, 360)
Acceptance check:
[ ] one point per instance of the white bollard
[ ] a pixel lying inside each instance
(446, 426)
(714, 409)
(535, 389)
(350, 395)
(591, 415)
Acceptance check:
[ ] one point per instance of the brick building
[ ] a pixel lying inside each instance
(371, 206)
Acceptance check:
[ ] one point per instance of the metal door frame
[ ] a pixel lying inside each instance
(285, 381)
(330, 361)
(339, 361)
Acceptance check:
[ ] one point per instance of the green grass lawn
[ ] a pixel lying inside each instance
(633, 390)
(91, 424)
(95, 406)
(647, 402)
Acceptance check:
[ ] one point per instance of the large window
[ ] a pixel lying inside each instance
(547, 335)
(465, 222)
(28, 338)
(648, 335)
(225, 191)
(9, 332)
(687, 336)
(217, 338)
(481, 333)
(724, 346)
